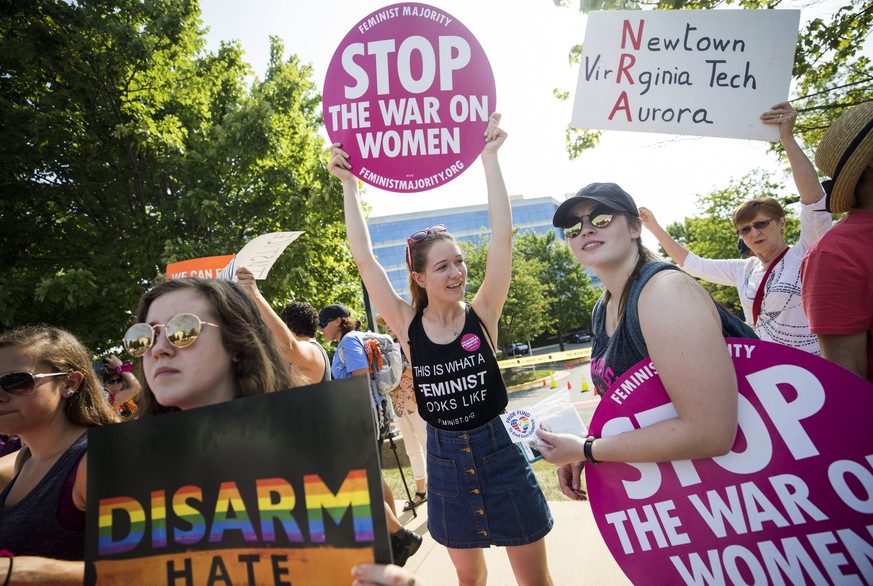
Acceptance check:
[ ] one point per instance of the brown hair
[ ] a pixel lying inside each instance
(645, 256)
(259, 367)
(347, 325)
(65, 352)
(747, 211)
(417, 252)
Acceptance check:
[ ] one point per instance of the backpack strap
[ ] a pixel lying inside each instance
(731, 325)
(648, 271)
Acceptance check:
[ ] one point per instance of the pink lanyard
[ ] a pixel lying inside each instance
(759, 296)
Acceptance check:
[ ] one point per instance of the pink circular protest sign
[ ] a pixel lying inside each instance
(408, 94)
(792, 503)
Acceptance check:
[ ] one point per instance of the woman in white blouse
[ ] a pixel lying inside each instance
(776, 314)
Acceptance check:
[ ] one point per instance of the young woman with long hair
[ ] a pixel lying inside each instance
(49, 397)
(647, 310)
(481, 490)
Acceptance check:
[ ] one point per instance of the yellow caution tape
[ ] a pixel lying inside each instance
(544, 358)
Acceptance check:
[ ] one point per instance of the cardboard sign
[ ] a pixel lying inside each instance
(272, 489)
(259, 255)
(208, 267)
(408, 94)
(699, 72)
(792, 503)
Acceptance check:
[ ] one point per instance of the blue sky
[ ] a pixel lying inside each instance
(527, 42)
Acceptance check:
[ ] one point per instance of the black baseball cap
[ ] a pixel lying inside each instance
(606, 193)
(333, 311)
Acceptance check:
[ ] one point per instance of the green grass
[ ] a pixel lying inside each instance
(546, 474)
(517, 376)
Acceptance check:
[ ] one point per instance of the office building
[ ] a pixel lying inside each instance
(466, 224)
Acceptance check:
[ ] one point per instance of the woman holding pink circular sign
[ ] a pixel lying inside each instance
(649, 310)
(481, 490)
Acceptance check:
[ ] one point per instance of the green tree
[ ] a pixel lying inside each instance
(572, 298)
(830, 72)
(126, 147)
(712, 235)
(526, 311)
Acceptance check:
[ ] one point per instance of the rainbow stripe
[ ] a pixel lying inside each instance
(159, 519)
(276, 501)
(136, 514)
(354, 493)
(188, 514)
(231, 514)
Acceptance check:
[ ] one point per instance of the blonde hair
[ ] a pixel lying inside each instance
(65, 353)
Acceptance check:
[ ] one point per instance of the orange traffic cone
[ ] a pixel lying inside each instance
(544, 382)
(569, 386)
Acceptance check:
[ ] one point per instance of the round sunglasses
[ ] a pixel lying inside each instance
(22, 382)
(181, 331)
(600, 218)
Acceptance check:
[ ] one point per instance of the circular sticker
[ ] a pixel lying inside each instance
(470, 342)
(791, 503)
(520, 424)
(408, 94)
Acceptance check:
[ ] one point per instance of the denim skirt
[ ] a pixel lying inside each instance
(481, 490)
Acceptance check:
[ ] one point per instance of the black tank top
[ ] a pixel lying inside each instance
(31, 526)
(457, 385)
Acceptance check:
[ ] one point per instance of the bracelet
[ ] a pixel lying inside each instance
(123, 368)
(8, 572)
(586, 449)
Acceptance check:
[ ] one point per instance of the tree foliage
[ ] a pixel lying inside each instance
(127, 146)
(548, 287)
(830, 71)
(572, 298)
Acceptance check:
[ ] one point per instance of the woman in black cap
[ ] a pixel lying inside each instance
(481, 491)
(647, 311)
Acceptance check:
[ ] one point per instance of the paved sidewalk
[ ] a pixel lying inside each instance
(577, 554)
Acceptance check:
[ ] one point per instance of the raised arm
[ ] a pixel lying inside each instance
(133, 387)
(802, 169)
(305, 356)
(491, 296)
(397, 313)
(676, 251)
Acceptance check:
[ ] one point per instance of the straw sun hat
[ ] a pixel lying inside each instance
(845, 150)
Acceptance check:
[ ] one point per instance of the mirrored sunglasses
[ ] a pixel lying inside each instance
(599, 218)
(418, 237)
(22, 382)
(181, 331)
(759, 226)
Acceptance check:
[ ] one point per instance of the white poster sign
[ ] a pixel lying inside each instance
(260, 254)
(698, 72)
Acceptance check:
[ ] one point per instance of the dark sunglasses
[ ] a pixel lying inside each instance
(21, 382)
(323, 324)
(759, 226)
(116, 380)
(181, 331)
(418, 237)
(600, 218)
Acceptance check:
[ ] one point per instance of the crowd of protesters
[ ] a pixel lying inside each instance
(201, 342)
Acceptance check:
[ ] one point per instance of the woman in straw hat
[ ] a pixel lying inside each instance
(768, 281)
(838, 271)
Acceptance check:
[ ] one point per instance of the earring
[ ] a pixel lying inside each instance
(69, 393)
